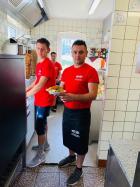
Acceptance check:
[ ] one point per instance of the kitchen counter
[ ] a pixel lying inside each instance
(126, 152)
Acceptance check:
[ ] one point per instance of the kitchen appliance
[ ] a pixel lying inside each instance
(30, 12)
(12, 115)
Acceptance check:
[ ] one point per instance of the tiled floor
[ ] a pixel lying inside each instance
(52, 176)
(49, 175)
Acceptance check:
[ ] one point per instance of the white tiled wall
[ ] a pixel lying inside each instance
(129, 46)
(125, 71)
(112, 82)
(110, 105)
(116, 45)
(118, 32)
(137, 127)
(107, 126)
(122, 6)
(92, 30)
(127, 59)
(121, 105)
(115, 58)
(132, 20)
(116, 135)
(111, 93)
(134, 95)
(121, 117)
(118, 126)
(124, 83)
(114, 70)
(131, 32)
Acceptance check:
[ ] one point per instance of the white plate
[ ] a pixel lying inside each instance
(54, 93)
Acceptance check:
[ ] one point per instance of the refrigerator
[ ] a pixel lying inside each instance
(12, 108)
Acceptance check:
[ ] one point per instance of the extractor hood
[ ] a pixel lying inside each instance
(31, 12)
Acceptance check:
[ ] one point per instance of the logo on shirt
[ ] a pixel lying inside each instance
(39, 72)
(79, 77)
(75, 133)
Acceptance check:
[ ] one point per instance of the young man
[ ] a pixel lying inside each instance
(80, 82)
(45, 78)
(58, 69)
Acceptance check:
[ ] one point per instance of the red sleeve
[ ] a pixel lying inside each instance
(63, 76)
(60, 67)
(93, 76)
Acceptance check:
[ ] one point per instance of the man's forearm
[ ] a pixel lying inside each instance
(30, 86)
(84, 97)
(68, 97)
(33, 91)
(37, 87)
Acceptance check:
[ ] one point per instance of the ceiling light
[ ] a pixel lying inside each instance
(40, 3)
(94, 5)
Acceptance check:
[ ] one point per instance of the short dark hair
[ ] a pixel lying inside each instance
(43, 41)
(53, 53)
(79, 42)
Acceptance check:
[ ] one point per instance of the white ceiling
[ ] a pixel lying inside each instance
(77, 9)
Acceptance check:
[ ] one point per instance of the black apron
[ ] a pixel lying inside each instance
(76, 126)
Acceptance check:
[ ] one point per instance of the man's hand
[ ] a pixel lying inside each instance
(66, 97)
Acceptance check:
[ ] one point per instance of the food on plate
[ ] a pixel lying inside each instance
(55, 90)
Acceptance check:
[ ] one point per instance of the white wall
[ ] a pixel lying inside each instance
(121, 118)
(50, 29)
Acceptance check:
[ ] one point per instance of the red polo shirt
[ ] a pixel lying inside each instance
(57, 67)
(45, 68)
(76, 81)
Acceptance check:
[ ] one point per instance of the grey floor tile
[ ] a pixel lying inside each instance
(47, 180)
(35, 169)
(48, 168)
(25, 179)
(63, 178)
(91, 180)
(93, 170)
(64, 170)
(51, 176)
(65, 173)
